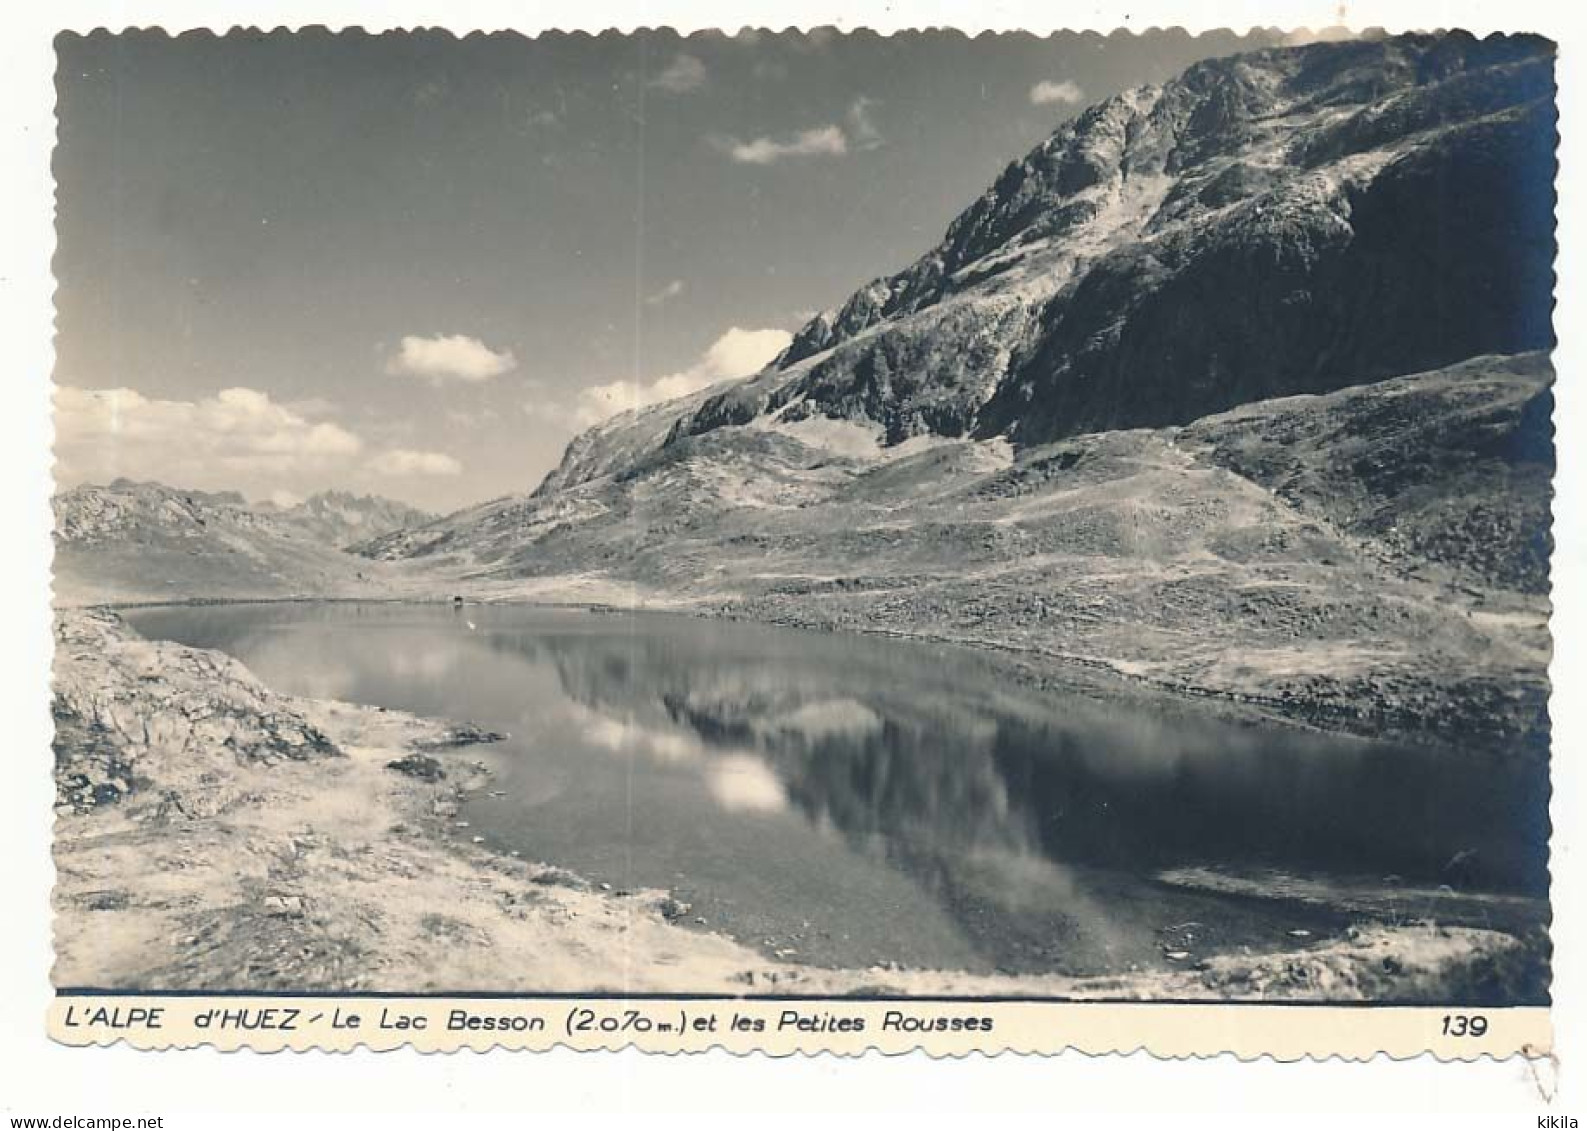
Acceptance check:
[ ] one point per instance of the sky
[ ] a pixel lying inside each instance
(415, 265)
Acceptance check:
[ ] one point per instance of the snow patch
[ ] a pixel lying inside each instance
(863, 442)
(848, 438)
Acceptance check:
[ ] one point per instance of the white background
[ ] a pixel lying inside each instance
(40, 1079)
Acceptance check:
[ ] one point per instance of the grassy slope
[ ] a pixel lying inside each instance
(1372, 559)
(132, 573)
(149, 542)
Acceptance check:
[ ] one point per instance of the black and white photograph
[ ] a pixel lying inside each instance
(805, 514)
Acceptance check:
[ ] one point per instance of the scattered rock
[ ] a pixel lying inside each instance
(460, 734)
(283, 904)
(420, 766)
(561, 878)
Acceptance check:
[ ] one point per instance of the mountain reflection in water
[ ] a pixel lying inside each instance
(852, 801)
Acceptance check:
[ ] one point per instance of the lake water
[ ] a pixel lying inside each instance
(851, 801)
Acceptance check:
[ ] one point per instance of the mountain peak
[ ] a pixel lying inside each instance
(1299, 220)
(1277, 222)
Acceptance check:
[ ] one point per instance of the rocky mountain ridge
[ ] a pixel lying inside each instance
(128, 540)
(1293, 220)
(92, 513)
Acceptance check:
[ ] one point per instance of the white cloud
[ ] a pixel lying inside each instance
(861, 125)
(406, 461)
(858, 133)
(744, 783)
(683, 74)
(1049, 93)
(449, 357)
(823, 141)
(737, 353)
(235, 425)
(672, 290)
(236, 437)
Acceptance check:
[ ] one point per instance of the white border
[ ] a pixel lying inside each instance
(37, 1078)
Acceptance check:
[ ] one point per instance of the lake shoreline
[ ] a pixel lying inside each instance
(282, 851)
(1372, 717)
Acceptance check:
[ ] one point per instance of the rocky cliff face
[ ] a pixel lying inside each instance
(1294, 220)
(1342, 216)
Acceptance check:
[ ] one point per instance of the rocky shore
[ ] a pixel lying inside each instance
(212, 834)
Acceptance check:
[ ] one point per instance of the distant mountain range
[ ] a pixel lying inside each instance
(124, 508)
(147, 539)
(341, 518)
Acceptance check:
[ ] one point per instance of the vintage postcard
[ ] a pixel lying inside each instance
(804, 540)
